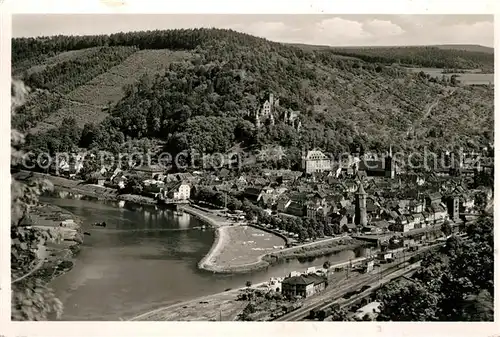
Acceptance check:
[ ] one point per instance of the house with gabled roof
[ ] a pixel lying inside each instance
(296, 208)
(316, 161)
(149, 170)
(252, 193)
(177, 191)
(259, 182)
(283, 203)
(303, 285)
(242, 180)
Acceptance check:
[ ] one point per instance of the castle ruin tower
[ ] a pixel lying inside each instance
(360, 207)
(257, 120)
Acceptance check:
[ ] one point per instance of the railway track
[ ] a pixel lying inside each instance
(328, 298)
(407, 270)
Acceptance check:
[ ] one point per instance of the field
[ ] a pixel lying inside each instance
(469, 116)
(468, 78)
(476, 79)
(87, 102)
(83, 113)
(108, 87)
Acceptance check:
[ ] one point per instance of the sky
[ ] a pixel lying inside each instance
(332, 30)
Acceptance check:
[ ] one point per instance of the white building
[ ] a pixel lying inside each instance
(316, 161)
(178, 191)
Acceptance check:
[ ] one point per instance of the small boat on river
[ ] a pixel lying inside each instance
(100, 224)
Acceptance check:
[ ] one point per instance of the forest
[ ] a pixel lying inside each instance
(208, 101)
(432, 57)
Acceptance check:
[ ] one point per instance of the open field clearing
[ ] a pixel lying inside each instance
(144, 61)
(240, 248)
(83, 113)
(108, 87)
(476, 79)
(468, 78)
(86, 102)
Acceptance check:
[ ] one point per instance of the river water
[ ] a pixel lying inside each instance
(145, 258)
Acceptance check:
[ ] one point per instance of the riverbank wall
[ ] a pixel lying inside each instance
(315, 250)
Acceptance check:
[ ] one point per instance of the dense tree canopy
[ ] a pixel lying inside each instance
(434, 57)
(31, 298)
(211, 97)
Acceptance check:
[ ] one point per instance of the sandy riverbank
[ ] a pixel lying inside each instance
(240, 249)
(236, 249)
(216, 307)
(243, 249)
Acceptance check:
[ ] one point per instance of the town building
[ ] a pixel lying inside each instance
(374, 167)
(434, 198)
(253, 194)
(385, 256)
(149, 170)
(178, 191)
(453, 205)
(303, 286)
(316, 161)
(368, 265)
(101, 180)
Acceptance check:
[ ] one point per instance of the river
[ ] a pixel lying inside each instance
(145, 258)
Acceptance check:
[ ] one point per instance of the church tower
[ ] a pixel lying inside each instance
(360, 207)
(390, 170)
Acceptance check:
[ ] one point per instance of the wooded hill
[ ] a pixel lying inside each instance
(200, 88)
(439, 56)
